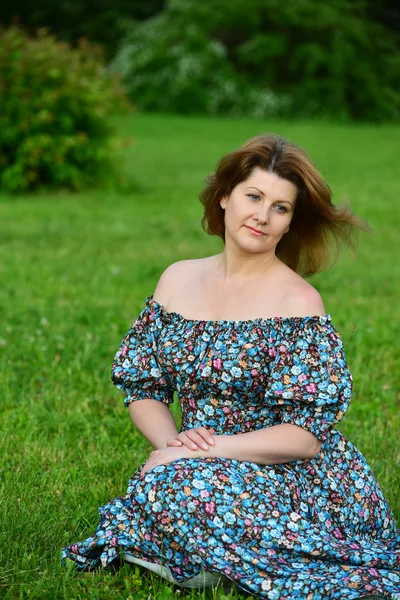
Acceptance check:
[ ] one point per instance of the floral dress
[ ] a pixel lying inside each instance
(311, 529)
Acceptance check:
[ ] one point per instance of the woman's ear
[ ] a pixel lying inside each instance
(222, 202)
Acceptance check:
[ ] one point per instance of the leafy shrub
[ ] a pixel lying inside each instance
(56, 104)
(264, 58)
(174, 69)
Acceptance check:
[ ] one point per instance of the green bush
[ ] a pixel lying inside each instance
(56, 104)
(171, 68)
(264, 58)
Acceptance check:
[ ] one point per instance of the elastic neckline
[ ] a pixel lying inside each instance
(172, 314)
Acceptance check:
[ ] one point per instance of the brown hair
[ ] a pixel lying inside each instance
(315, 222)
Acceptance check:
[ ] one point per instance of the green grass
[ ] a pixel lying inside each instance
(75, 271)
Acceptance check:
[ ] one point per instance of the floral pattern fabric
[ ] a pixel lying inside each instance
(310, 529)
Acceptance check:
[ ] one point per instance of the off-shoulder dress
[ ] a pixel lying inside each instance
(310, 529)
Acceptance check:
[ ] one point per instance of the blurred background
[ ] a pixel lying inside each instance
(111, 117)
(66, 69)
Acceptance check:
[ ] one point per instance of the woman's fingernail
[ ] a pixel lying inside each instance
(210, 441)
(204, 446)
(194, 446)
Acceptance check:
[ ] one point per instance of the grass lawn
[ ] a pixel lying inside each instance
(75, 271)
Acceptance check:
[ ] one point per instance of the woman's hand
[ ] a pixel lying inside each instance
(193, 438)
(163, 456)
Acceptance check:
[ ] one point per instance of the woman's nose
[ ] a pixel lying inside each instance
(261, 219)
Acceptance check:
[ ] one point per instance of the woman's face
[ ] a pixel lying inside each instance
(265, 202)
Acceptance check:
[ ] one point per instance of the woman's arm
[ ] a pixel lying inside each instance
(155, 420)
(268, 446)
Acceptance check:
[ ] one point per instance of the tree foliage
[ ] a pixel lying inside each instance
(101, 21)
(312, 57)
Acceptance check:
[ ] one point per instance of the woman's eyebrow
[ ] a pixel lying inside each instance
(261, 192)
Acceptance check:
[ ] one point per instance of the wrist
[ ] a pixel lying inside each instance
(213, 450)
(189, 453)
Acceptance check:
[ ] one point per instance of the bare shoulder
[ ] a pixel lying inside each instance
(309, 302)
(171, 277)
(301, 298)
(305, 300)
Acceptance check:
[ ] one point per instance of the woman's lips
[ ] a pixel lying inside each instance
(255, 231)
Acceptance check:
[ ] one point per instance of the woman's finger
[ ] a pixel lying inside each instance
(187, 441)
(198, 439)
(193, 438)
(201, 437)
(174, 442)
(205, 433)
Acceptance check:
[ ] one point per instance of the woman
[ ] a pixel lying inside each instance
(257, 487)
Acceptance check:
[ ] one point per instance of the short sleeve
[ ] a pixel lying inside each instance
(310, 384)
(136, 367)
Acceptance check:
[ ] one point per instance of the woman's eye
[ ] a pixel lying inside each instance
(257, 197)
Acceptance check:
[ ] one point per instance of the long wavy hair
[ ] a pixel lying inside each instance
(318, 227)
